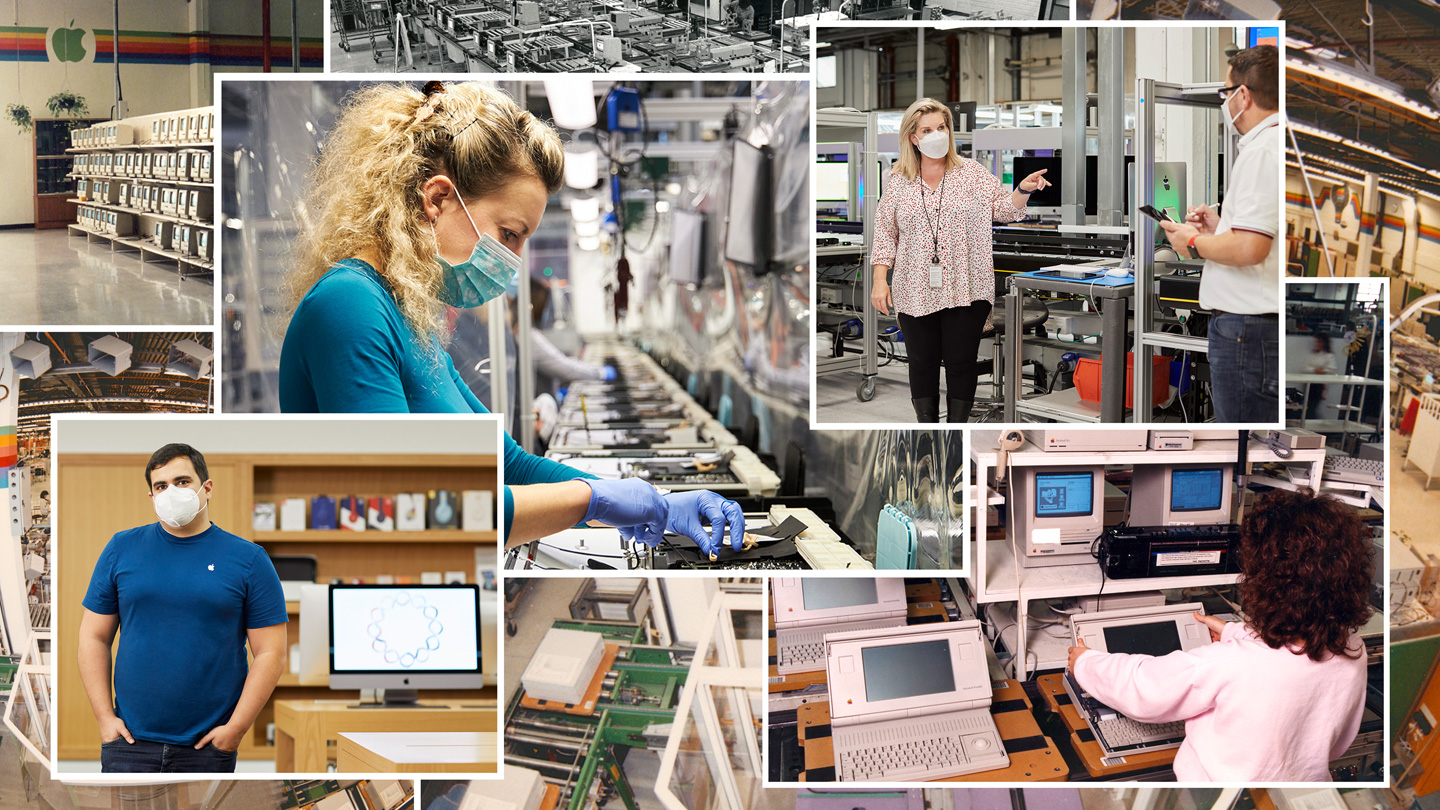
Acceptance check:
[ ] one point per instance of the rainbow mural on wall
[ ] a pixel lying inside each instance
(21, 44)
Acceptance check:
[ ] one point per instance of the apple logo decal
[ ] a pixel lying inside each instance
(212, 566)
(69, 43)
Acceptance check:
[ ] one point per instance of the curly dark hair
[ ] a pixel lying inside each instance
(1306, 569)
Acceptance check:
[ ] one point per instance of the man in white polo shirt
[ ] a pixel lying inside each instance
(1241, 247)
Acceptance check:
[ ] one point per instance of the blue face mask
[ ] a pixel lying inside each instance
(483, 277)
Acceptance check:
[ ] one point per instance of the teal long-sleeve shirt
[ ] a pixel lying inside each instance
(349, 350)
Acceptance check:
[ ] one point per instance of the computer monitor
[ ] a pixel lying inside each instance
(1056, 513)
(1258, 35)
(749, 224)
(1092, 184)
(686, 246)
(1181, 494)
(1143, 630)
(401, 638)
(808, 601)
(832, 182)
(933, 668)
(1048, 197)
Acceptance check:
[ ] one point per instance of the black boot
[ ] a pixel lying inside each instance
(927, 410)
(959, 410)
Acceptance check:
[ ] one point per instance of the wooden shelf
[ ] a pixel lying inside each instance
(375, 536)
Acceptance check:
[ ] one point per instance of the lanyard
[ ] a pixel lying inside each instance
(934, 229)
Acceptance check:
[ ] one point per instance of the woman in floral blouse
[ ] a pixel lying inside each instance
(933, 229)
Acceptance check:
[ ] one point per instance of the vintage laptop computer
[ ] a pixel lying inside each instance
(1143, 631)
(809, 608)
(911, 704)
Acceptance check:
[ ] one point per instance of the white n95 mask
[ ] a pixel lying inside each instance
(177, 506)
(935, 145)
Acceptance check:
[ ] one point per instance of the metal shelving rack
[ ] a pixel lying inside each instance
(857, 127)
(993, 574)
(1149, 95)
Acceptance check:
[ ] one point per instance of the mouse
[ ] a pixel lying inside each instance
(1118, 272)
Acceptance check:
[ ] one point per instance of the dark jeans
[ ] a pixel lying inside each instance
(1245, 368)
(143, 756)
(950, 336)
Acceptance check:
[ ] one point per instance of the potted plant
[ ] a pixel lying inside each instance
(66, 104)
(19, 115)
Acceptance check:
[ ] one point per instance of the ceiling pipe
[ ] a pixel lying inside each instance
(265, 34)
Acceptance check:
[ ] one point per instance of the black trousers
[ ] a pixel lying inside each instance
(950, 336)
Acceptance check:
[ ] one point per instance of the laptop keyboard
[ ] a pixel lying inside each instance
(1354, 470)
(929, 750)
(1120, 733)
(808, 653)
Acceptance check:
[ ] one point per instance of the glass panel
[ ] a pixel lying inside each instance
(692, 781)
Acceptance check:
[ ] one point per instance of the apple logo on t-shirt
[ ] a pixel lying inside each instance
(212, 566)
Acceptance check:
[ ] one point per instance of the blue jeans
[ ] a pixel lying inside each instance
(143, 756)
(1245, 368)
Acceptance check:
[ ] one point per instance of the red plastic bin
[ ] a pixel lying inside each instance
(1087, 378)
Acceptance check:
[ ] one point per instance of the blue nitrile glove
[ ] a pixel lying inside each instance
(631, 505)
(689, 509)
(610, 374)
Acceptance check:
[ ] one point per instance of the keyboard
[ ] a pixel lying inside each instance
(1354, 470)
(803, 650)
(1120, 733)
(920, 750)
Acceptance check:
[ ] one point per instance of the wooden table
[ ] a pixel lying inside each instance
(1033, 757)
(418, 752)
(303, 728)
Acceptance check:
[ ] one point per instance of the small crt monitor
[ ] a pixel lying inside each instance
(1057, 512)
(1181, 494)
(404, 638)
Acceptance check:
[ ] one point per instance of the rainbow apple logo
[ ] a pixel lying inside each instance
(69, 43)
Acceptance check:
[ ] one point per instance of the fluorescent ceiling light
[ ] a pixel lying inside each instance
(1365, 84)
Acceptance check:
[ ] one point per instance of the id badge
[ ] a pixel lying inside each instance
(937, 274)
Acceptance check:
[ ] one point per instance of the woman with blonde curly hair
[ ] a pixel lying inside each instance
(1278, 696)
(422, 201)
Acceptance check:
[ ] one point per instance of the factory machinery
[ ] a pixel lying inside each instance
(597, 693)
(645, 425)
(630, 699)
(583, 36)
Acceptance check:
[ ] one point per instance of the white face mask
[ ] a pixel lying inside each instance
(1231, 119)
(935, 145)
(177, 506)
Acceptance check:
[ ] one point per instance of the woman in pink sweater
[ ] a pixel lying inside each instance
(1277, 697)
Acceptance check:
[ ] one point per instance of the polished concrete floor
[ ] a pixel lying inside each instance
(49, 278)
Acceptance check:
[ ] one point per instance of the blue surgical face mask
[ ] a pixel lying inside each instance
(484, 276)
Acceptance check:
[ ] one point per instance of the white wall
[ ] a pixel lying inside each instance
(429, 434)
(148, 88)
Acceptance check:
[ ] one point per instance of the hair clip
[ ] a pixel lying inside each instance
(472, 123)
(433, 90)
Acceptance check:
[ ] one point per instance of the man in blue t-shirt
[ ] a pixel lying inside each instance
(188, 595)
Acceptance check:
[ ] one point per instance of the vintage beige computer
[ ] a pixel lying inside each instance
(911, 704)
(809, 608)
(1136, 631)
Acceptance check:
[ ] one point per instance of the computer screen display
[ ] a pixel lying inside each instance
(1023, 167)
(404, 629)
(907, 670)
(1196, 490)
(750, 220)
(687, 239)
(1263, 35)
(1064, 494)
(832, 181)
(1155, 638)
(824, 594)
